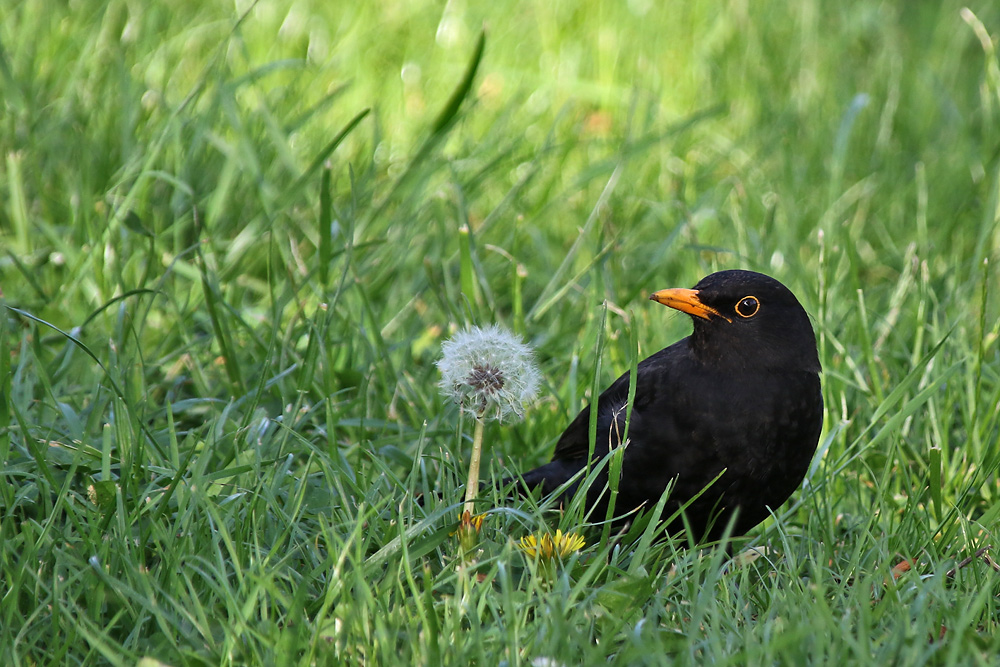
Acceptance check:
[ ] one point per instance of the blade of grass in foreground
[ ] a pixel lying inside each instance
(81, 345)
(860, 444)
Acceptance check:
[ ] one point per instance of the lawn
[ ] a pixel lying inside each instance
(235, 237)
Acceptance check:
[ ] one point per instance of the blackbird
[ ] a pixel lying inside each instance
(738, 400)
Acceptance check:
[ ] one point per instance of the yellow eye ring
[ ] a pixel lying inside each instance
(747, 307)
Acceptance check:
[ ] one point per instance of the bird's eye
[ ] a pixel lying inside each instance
(747, 306)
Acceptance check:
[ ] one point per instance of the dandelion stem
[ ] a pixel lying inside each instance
(472, 485)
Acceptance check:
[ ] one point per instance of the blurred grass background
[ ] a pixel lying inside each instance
(235, 235)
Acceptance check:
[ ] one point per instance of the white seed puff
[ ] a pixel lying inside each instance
(490, 372)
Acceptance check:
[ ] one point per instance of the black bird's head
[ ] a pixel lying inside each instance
(746, 319)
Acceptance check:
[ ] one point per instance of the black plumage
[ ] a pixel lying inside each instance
(741, 394)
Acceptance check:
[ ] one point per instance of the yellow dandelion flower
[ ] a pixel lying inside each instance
(548, 547)
(468, 522)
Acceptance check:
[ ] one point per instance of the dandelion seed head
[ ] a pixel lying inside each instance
(489, 371)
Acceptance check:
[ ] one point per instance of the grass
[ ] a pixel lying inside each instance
(235, 236)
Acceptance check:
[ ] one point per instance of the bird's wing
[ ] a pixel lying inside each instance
(653, 377)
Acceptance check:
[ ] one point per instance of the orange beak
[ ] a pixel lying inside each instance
(686, 301)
